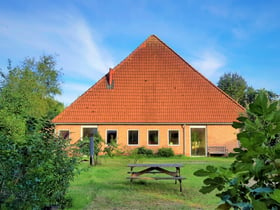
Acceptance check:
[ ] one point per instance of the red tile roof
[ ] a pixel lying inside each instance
(152, 85)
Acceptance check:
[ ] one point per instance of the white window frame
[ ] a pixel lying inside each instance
(128, 137)
(148, 137)
(64, 130)
(106, 140)
(86, 126)
(206, 137)
(169, 139)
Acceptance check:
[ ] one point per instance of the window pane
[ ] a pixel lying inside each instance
(198, 141)
(89, 132)
(64, 134)
(111, 136)
(132, 137)
(153, 137)
(173, 137)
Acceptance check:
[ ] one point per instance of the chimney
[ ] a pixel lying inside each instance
(110, 79)
(110, 76)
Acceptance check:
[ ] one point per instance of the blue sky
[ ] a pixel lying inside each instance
(90, 36)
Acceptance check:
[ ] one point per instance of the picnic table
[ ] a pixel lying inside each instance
(156, 168)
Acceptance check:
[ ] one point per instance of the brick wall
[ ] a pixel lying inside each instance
(216, 135)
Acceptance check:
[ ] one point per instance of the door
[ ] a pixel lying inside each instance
(198, 141)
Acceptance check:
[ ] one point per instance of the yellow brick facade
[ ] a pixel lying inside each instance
(216, 135)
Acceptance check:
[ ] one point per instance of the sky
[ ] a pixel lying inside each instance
(87, 37)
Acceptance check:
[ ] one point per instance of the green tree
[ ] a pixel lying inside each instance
(234, 85)
(253, 179)
(28, 91)
(251, 95)
(35, 166)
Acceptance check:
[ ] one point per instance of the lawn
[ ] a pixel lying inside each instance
(105, 186)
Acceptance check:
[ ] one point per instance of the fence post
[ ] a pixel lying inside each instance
(91, 150)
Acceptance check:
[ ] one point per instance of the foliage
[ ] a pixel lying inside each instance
(35, 167)
(35, 172)
(99, 147)
(234, 85)
(165, 152)
(251, 95)
(253, 179)
(144, 151)
(28, 91)
(135, 156)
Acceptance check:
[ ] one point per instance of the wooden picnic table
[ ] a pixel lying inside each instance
(156, 168)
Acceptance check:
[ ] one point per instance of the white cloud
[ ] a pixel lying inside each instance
(209, 63)
(67, 34)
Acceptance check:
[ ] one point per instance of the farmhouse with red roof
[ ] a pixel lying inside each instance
(154, 98)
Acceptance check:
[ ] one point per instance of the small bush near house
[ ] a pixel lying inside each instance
(144, 151)
(165, 152)
(83, 146)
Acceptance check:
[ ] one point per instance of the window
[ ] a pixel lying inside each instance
(198, 140)
(173, 137)
(88, 132)
(133, 137)
(64, 134)
(111, 136)
(153, 137)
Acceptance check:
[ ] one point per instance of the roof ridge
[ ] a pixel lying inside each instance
(143, 44)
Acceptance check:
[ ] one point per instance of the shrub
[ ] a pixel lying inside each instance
(144, 151)
(252, 181)
(165, 152)
(35, 172)
(83, 146)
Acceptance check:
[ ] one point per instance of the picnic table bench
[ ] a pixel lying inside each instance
(217, 150)
(156, 169)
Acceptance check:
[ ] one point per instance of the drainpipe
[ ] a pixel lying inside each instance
(184, 139)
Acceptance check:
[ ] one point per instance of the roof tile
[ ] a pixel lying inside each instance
(153, 85)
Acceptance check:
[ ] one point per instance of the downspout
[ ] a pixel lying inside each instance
(184, 139)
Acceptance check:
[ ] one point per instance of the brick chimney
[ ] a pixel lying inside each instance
(110, 78)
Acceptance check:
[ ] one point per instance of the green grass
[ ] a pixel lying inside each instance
(105, 186)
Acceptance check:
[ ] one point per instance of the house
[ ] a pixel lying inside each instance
(154, 98)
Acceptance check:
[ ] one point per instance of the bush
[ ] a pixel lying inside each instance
(35, 172)
(144, 151)
(83, 146)
(252, 181)
(165, 152)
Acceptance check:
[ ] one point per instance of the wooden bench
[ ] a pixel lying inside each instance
(217, 150)
(157, 178)
(156, 169)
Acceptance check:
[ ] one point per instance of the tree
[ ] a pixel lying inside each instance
(253, 179)
(28, 91)
(35, 166)
(251, 94)
(234, 85)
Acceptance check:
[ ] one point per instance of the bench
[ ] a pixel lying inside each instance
(156, 169)
(217, 150)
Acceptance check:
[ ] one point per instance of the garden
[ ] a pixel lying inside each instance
(39, 170)
(105, 186)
